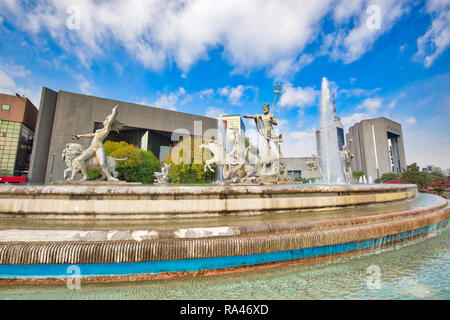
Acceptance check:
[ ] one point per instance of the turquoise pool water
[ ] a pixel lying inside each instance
(418, 270)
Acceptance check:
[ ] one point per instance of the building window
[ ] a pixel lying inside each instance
(2, 134)
(6, 107)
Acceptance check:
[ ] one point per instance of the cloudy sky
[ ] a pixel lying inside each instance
(382, 58)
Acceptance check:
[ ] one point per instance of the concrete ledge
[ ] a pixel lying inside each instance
(127, 202)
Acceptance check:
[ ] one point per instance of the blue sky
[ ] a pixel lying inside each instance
(382, 58)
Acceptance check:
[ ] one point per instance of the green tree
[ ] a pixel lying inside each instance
(414, 176)
(187, 161)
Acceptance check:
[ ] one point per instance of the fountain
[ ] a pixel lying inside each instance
(222, 138)
(333, 172)
(113, 231)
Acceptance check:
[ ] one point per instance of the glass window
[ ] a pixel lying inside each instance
(6, 107)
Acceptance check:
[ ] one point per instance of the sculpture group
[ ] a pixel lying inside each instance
(239, 165)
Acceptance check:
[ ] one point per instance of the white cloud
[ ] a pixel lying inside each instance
(424, 148)
(9, 74)
(437, 38)
(344, 10)
(214, 112)
(301, 144)
(286, 68)
(170, 101)
(348, 121)
(85, 86)
(206, 93)
(411, 120)
(6, 81)
(392, 104)
(236, 94)
(350, 43)
(298, 96)
(371, 105)
(357, 92)
(250, 34)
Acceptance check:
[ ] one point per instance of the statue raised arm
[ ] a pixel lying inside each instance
(96, 148)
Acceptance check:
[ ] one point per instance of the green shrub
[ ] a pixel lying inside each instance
(357, 174)
(305, 180)
(439, 190)
(139, 165)
(389, 176)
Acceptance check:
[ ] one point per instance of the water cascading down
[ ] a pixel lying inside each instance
(333, 172)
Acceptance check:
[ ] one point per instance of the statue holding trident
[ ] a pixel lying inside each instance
(96, 148)
(264, 124)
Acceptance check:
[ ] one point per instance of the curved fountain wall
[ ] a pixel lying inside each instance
(245, 227)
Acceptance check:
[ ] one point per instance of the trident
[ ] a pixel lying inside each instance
(276, 89)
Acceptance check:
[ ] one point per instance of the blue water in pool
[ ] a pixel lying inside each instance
(418, 270)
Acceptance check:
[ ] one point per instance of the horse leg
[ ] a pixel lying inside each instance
(66, 173)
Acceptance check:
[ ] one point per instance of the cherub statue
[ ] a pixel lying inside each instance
(96, 148)
(163, 176)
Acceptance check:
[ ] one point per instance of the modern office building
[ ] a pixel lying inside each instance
(18, 118)
(377, 146)
(233, 122)
(431, 168)
(63, 114)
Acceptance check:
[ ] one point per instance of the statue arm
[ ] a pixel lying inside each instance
(87, 135)
(273, 120)
(257, 118)
(112, 117)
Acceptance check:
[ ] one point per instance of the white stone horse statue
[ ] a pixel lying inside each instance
(218, 152)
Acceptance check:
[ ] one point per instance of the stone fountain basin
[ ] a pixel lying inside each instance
(143, 202)
(309, 222)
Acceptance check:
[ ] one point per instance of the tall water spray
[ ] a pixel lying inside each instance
(330, 156)
(221, 139)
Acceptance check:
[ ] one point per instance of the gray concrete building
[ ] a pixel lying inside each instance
(297, 167)
(63, 114)
(377, 146)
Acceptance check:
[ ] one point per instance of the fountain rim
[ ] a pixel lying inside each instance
(118, 189)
